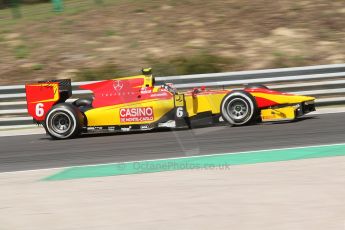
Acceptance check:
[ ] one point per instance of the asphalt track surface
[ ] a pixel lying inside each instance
(19, 153)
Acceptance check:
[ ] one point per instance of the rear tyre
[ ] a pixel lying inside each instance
(239, 108)
(64, 121)
(256, 86)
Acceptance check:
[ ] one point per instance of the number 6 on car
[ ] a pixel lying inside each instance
(179, 112)
(40, 98)
(39, 110)
(135, 103)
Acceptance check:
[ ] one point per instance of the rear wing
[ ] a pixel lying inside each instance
(43, 95)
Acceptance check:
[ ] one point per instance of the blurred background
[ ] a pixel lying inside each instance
(99, 39)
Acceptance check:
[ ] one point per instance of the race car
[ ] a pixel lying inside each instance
(136, 103)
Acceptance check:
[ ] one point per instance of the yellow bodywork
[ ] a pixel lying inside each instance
(110, 115)
(107, 116)
(284, 98)
(285, 113)
(203, 101)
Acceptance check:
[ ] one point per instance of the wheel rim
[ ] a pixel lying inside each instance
(238, 109)
(61, 123)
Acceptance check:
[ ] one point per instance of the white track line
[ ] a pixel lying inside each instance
(22, 132)
(328, 111)
(13, 111)
(17, 127)
(16, 119)
(173, 158)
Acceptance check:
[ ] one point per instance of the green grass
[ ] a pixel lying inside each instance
(21, 52)
(5, 31)
(110, 33)
(66, 22)
(44, 29)
(139, 10)
(104, 72)
(160, 30)
(133, 45)
(282, 60)
(44, 11)
(197, 64)
(37, 66)
(295, 6)
(88, 21)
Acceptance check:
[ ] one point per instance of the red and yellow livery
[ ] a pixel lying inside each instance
(135, 103)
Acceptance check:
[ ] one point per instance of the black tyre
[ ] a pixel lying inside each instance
(239, 108)
(64, 121)
(255, 86)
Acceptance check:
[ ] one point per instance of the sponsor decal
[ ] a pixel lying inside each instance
(144, 127)
(168, 124)
(162, 94)
(145, 91)
(118, 85)
(179, 98)
(139, 114)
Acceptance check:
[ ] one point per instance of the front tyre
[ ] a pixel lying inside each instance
(64, 121)
(239, 108)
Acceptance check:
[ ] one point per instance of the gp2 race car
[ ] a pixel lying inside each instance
(135, 103)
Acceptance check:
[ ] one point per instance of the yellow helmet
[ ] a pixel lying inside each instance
(146, 71)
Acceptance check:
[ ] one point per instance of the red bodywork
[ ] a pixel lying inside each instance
(113, 92)
(263, 102)
(40, 99)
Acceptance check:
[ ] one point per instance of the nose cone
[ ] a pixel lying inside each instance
(308, 98)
